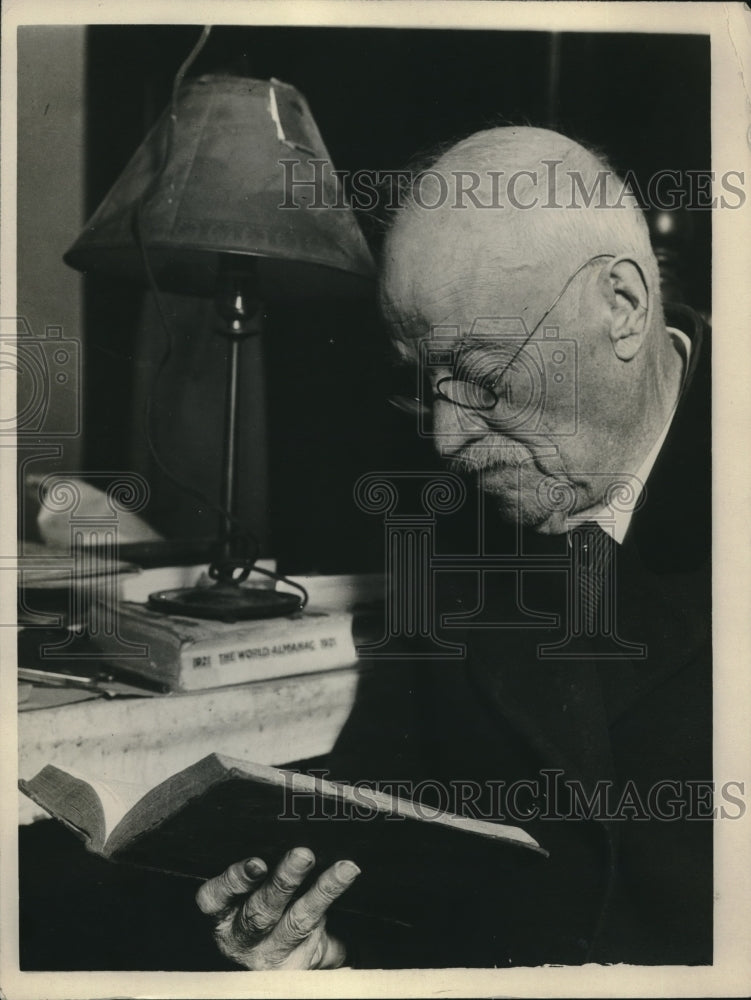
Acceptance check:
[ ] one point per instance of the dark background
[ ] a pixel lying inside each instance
(380, 96)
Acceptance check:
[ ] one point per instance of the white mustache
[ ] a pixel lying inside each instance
(491, 451)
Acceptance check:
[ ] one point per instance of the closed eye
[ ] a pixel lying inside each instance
(489, 366)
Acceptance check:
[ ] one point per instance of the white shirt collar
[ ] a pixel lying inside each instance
(615, 520)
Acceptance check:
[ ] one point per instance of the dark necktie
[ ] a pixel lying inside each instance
(591, 554)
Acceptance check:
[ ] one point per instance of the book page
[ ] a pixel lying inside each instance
(117, 797)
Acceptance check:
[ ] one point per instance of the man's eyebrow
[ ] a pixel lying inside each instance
(404, 320)
(401, 354)
(400, 359)
(398, 362)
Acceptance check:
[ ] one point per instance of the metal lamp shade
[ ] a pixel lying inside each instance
(215, 187)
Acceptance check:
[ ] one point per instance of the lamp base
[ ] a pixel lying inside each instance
(225, 602)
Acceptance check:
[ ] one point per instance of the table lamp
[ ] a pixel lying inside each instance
(199, 210)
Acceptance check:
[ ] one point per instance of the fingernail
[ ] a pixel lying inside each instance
(302, 858)
(347, 870)
(254, 867)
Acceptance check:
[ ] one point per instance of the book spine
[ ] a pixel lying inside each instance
(238, 659)
(159, 663)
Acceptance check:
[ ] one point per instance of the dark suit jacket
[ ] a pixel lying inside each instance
(637, 889)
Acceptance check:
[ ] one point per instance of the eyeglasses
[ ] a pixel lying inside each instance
(480, 393)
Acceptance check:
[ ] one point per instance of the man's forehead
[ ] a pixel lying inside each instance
(474, 316)
(426, 288)
(450, 278)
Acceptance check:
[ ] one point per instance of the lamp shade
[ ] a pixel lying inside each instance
(217, 184)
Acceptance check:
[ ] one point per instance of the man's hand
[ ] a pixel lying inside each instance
(256, 925)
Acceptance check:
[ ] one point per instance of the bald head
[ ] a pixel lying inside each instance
(520, 226)
(525, 201)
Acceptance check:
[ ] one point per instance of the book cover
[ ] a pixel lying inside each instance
(222, 809)
(189, 654)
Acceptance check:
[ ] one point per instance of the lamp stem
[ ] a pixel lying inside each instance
(229, 485)
(241, 317)
(236, 552)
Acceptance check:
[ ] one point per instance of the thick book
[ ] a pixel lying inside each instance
(221, 810)
(190, 654)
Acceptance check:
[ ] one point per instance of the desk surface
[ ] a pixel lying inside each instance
(147, 739)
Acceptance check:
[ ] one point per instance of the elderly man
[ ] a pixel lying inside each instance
(614, 690)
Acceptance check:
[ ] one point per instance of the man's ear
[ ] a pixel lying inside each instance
(626, 293)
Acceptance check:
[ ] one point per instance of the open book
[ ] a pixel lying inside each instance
(220, 810)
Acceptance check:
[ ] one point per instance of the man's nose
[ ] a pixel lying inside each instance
(454, 426)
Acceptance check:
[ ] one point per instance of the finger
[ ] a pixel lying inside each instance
(306, 913)
(264, 908)
(218, 894)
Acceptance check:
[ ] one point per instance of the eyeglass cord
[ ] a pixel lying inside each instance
(246, 537)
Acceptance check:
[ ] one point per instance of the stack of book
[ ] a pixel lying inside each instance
(189, 654)
(124, 640)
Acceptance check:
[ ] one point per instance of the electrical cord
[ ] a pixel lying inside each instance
(245, 536)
